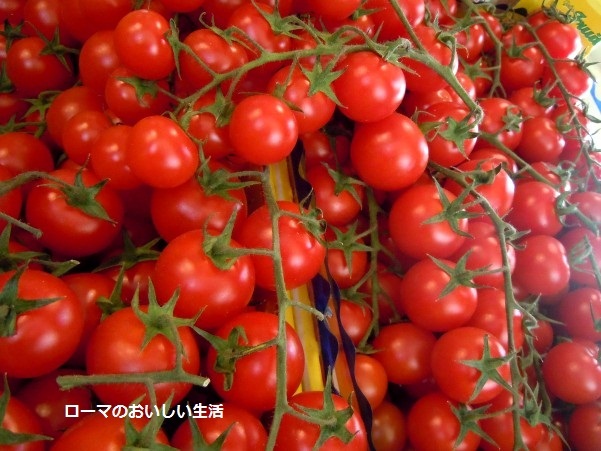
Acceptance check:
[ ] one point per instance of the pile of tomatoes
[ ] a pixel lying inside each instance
(445, 202)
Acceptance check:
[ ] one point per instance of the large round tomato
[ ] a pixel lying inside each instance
(502, 119)
(534, 209)
(423, 299)
(160, 153)
(312, 110)
(258, 328)
(579, 312)
(117, 346)
(263, 129)
(405, 350)
(208, 281)
(208, 51)
(414, 228)
(584, 431)
(541, 265)
(369, 88)
(208, 199)
(45, 337)
(338, 196)
(449, 135)
(388, 429)
(130, 102)
(302, 253)
(389, 154)
(97, 59)
(33, 71)
(142, 46)
(453, 359)
(433, 426)
(572, 372)
(304, 434)
(65, 214)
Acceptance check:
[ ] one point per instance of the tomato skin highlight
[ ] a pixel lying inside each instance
(389, 154)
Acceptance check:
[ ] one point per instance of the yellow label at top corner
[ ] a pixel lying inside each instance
(587, 14)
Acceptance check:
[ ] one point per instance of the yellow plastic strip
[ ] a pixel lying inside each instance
(302, 320)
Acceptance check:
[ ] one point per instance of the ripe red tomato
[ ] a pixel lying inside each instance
(44, 337)
(89, 289)
(18, 418)
(69, 229)
(389, 154)
(206, 127)
(32, 71)
(458, 379)
(356, 319)
(421, 77)
(534, 208)
(44, 396)
(108, 158)
(541, 265)
(302, 253)
(491, 315)
(259, 328)
(388, 429)
(483, 251)
(160, 153)
(502, 119)
(432, 425)
(117, 347)
(245, 432)
(81, 131)
(390, 25)
(205, 200)
(218, 292)
(520, 67)
(561, 40)
(130, 103)
(304, 434)
(338, 195)
(97, 59)
(97, 431)
(450, 141)
(425, 304)
(499, 191)
(214, 53)
(68, 103)
(500, 426)
(541, 140)
(583, 427)
(572, 372)
(404, 349)
(142, 46)
(412, 226)
(371, 378)
(369, 88)
(262, 129)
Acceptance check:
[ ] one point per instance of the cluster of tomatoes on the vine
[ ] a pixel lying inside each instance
(453, 204)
